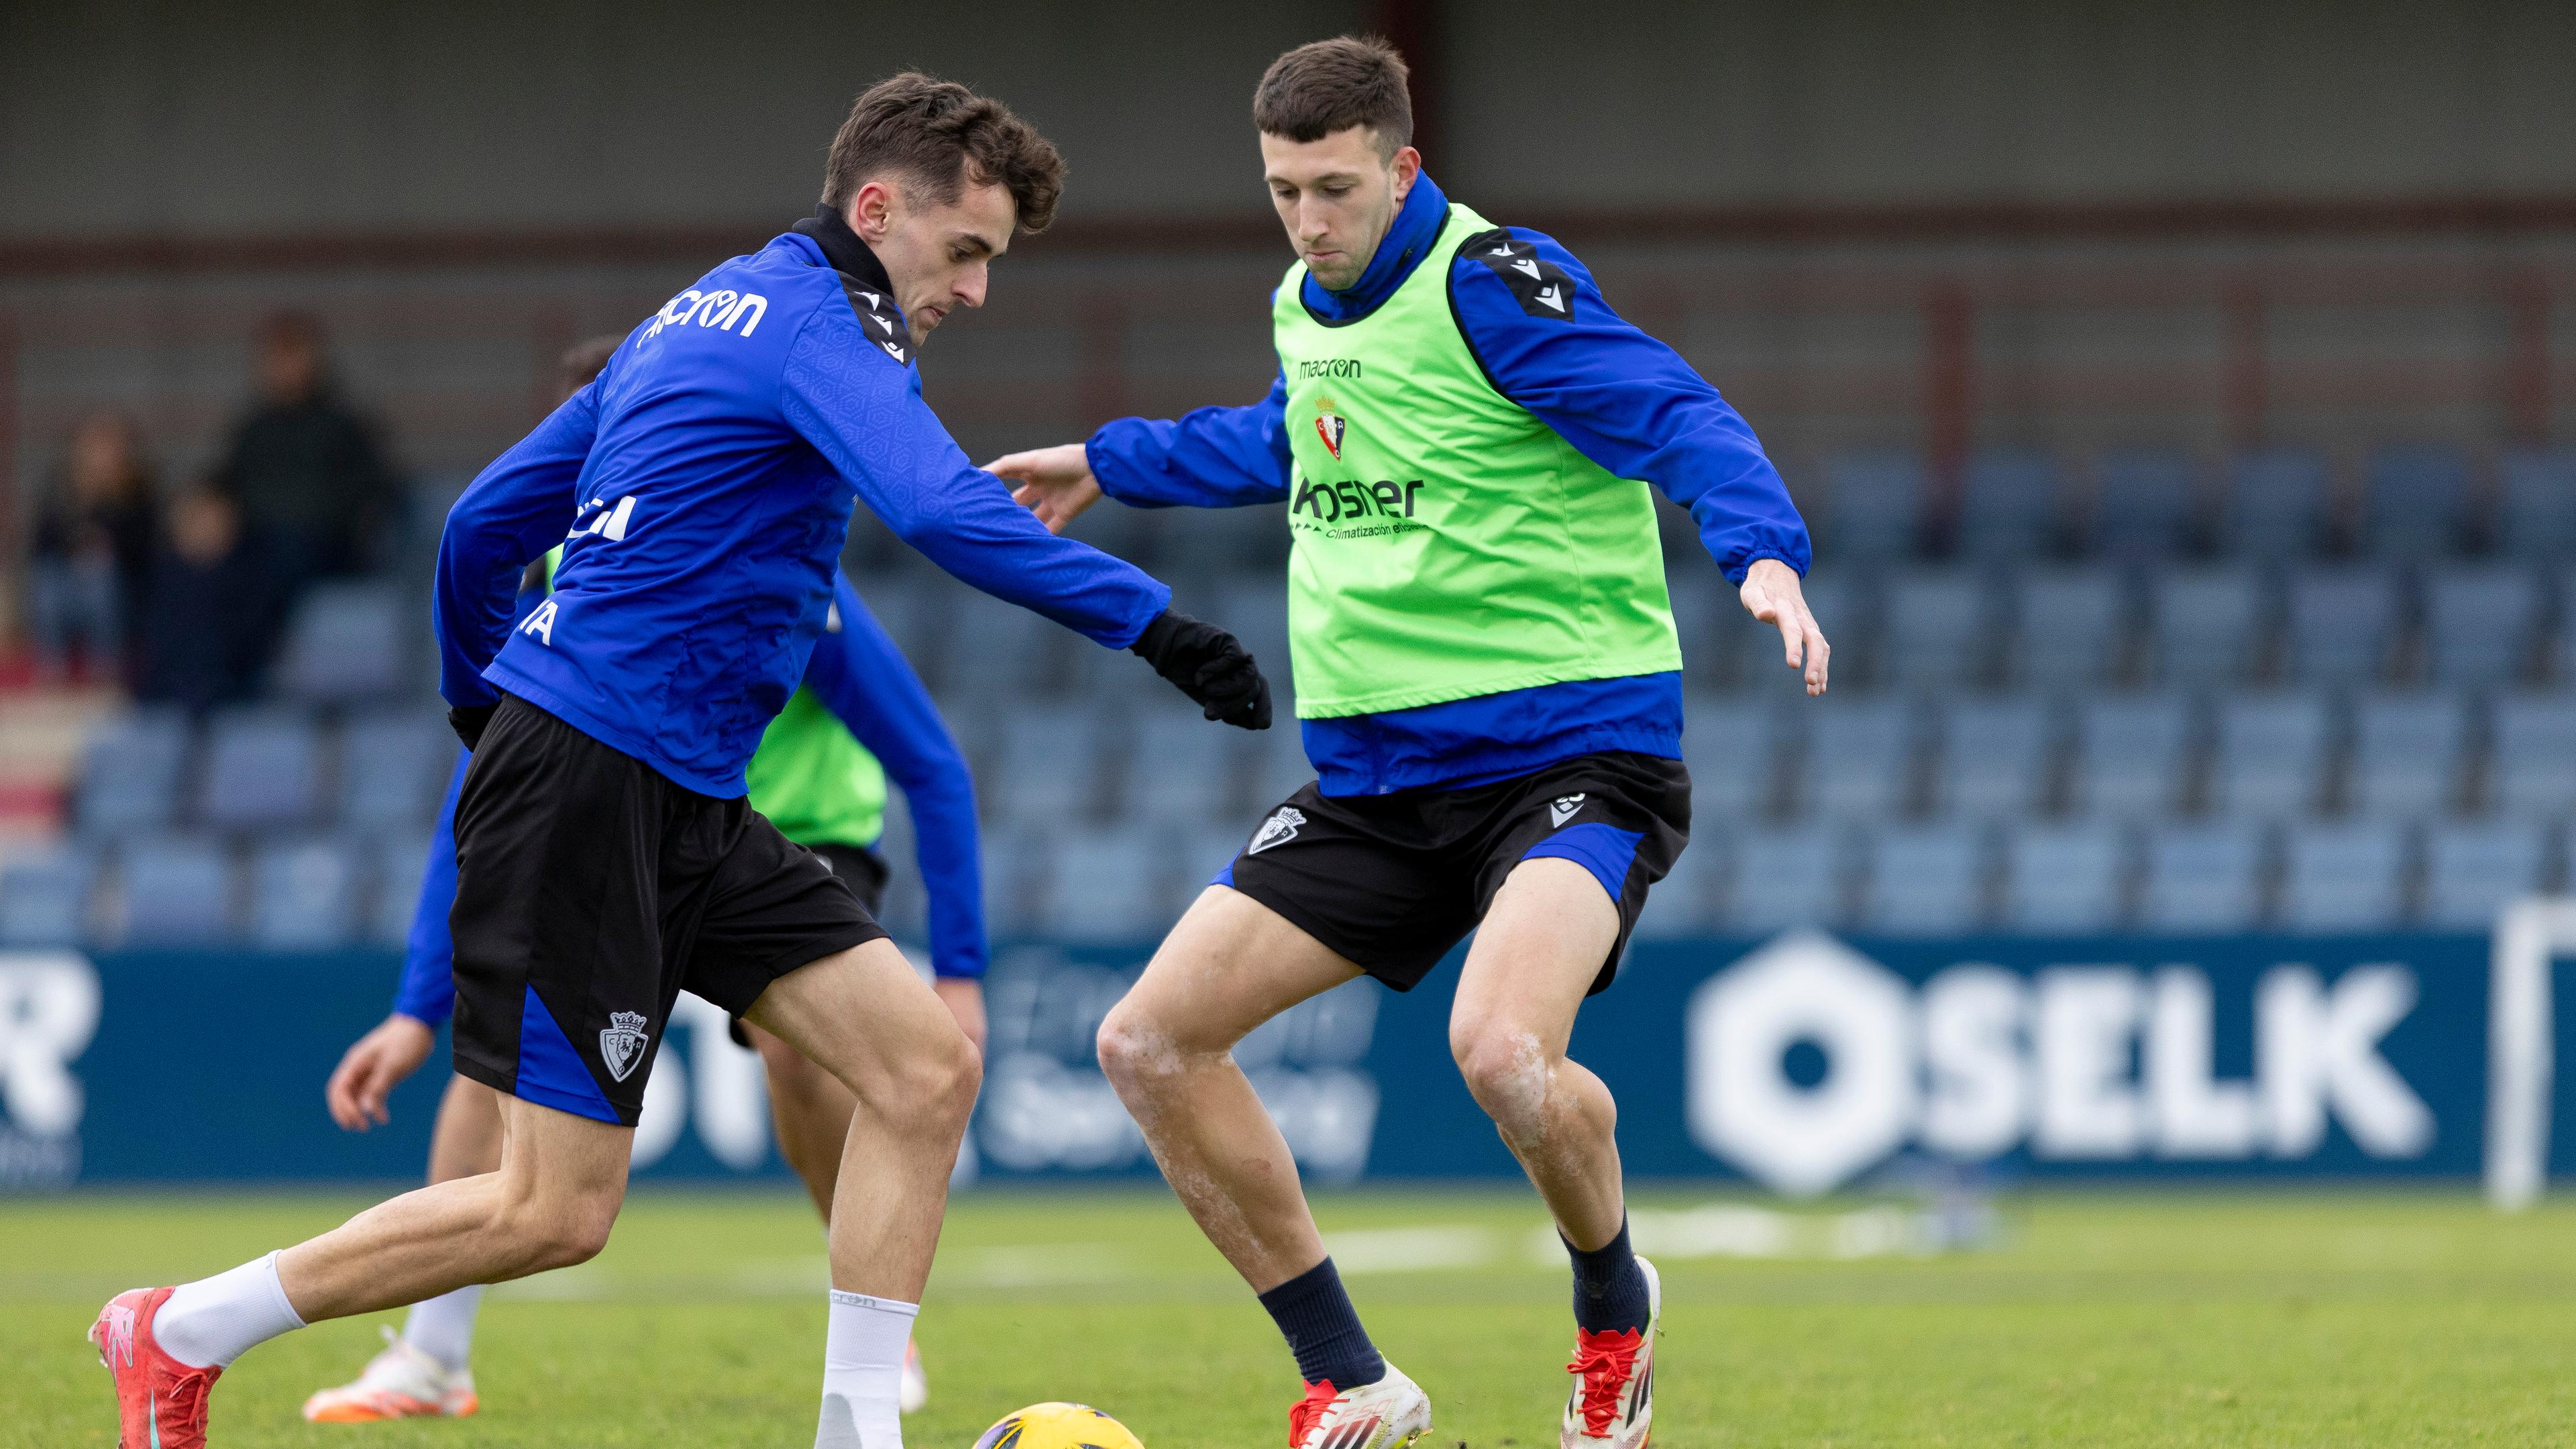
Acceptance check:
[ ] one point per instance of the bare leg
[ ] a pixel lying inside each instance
(810, 1111)
(1230, 965)
(466, 1142)
(549, 1205)
(1542, 942)
(865, 1018)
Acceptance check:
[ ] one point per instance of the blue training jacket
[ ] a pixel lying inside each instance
(702, 486)
(1621, 398)
(866, 682)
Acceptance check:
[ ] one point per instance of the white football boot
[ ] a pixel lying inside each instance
(1613, 1403)
(915, 1389)
(400, 1383)
(1388, 1414)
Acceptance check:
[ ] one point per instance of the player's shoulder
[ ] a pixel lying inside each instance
(1531, 269)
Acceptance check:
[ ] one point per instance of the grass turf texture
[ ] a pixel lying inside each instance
(2101, 1320)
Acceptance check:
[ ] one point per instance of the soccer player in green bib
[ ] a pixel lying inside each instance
(1488, 683)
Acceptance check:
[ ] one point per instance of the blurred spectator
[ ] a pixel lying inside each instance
(306, 468)
(91, 552)
(217, 599)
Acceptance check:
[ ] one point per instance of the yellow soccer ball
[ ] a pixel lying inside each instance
(1058, 1426)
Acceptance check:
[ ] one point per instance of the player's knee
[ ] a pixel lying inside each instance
(1506, 1068)
(1134, 1049)
(939, 1080)
(558, 1230)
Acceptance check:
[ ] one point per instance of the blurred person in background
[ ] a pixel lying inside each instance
(213, 606)
(91, 553)
(305, 467)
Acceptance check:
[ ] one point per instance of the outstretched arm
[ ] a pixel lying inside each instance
(1538, 324)
(864, 679)
(1212, 458)
(513, 511)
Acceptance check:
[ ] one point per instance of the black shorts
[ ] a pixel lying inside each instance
(1393, 881)
(590, 890)
(864, 872)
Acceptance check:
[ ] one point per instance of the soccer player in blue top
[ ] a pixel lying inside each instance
(605, 856)
(860, 719)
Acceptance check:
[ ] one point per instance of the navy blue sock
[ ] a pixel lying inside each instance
(1323, 1329)
(1609, 1287)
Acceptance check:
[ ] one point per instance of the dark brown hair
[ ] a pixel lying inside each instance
(583, 361)
(937, 134)
(1333, 85)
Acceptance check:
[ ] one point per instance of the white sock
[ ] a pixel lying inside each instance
(213, 1321)
(863, 1372)
(443, 1327)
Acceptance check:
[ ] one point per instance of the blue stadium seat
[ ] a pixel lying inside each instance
(1256, 612)
(177, 891)
(2533, 772)
(2347, 877)
(2480, 624)
(44, 898)
(2408, 754)
(2066, 879)
(2143, 505)
(999, 651)
(304, 895)
(1180, 768)
(1794, 877)
(2538, 520)
(1874, 506)
(1253, 537)
(129, 774)
(1698, 620)
(393, 770)
(2010, 505)
(2418, 498)
(2342, 625)
(1050, 767)
(1738, 753)
(263, 770)
(1019, 865)
(2202, 878)
(1940, 630)
(2271, 756)
(1859, 762)
(1927, 881)
(1996, 757)
(2275, 506)
(2210, 625)
(350, 640)
(395, 864)
(2073, 628)
(2132, 754)
(2472, 872)
(1112, 884)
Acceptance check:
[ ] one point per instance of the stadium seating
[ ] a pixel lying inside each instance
(176, 891)
(2418, 500)
(2210, 625)
(393, 769)
(1112, 883)
(2538, 519)
(394, 864)
(1048, 767)
(2346, 877)
(2480, 625)
(2472, 871)
(130, 774)
(263, 771)
(349, 641)
(2276, 504)
(2202, 878)
(1737, 753)
(2342, 623)
(2065, 878)
(1996, 757)
(1939, 630)
(1874, 505)
(2144, 503)
(2270, 755)
(304, 895)
(44, 899)
(2073, 628)
(2011, 505)
(1859, 759)
(2408, 754)
(1787, 877)
(1179, 769)
(2132, 754)
(1926, 881)
(2533, 773)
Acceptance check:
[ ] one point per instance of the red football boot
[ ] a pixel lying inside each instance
(160, 1402)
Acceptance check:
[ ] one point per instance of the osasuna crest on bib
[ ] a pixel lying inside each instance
(1282, 825)
(1330, 427)
(621, 1045)
(1562, 808)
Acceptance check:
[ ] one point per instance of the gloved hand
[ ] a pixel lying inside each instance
(469, 721)
(1209, 665)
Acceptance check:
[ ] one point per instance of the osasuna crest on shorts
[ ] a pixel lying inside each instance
(621, 1042)
(1282, 825)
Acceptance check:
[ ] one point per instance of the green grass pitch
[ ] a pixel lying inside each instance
(2320, 1319)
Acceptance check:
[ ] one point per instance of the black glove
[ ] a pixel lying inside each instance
(469, 720)
(1209, 665)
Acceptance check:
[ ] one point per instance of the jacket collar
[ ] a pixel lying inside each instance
(842, 248)
(1418, 223)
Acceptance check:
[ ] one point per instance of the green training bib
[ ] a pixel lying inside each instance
(1445, 543)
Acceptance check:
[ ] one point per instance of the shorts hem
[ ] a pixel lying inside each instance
(815, 947)
(1393, 974)
(543, 1096)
